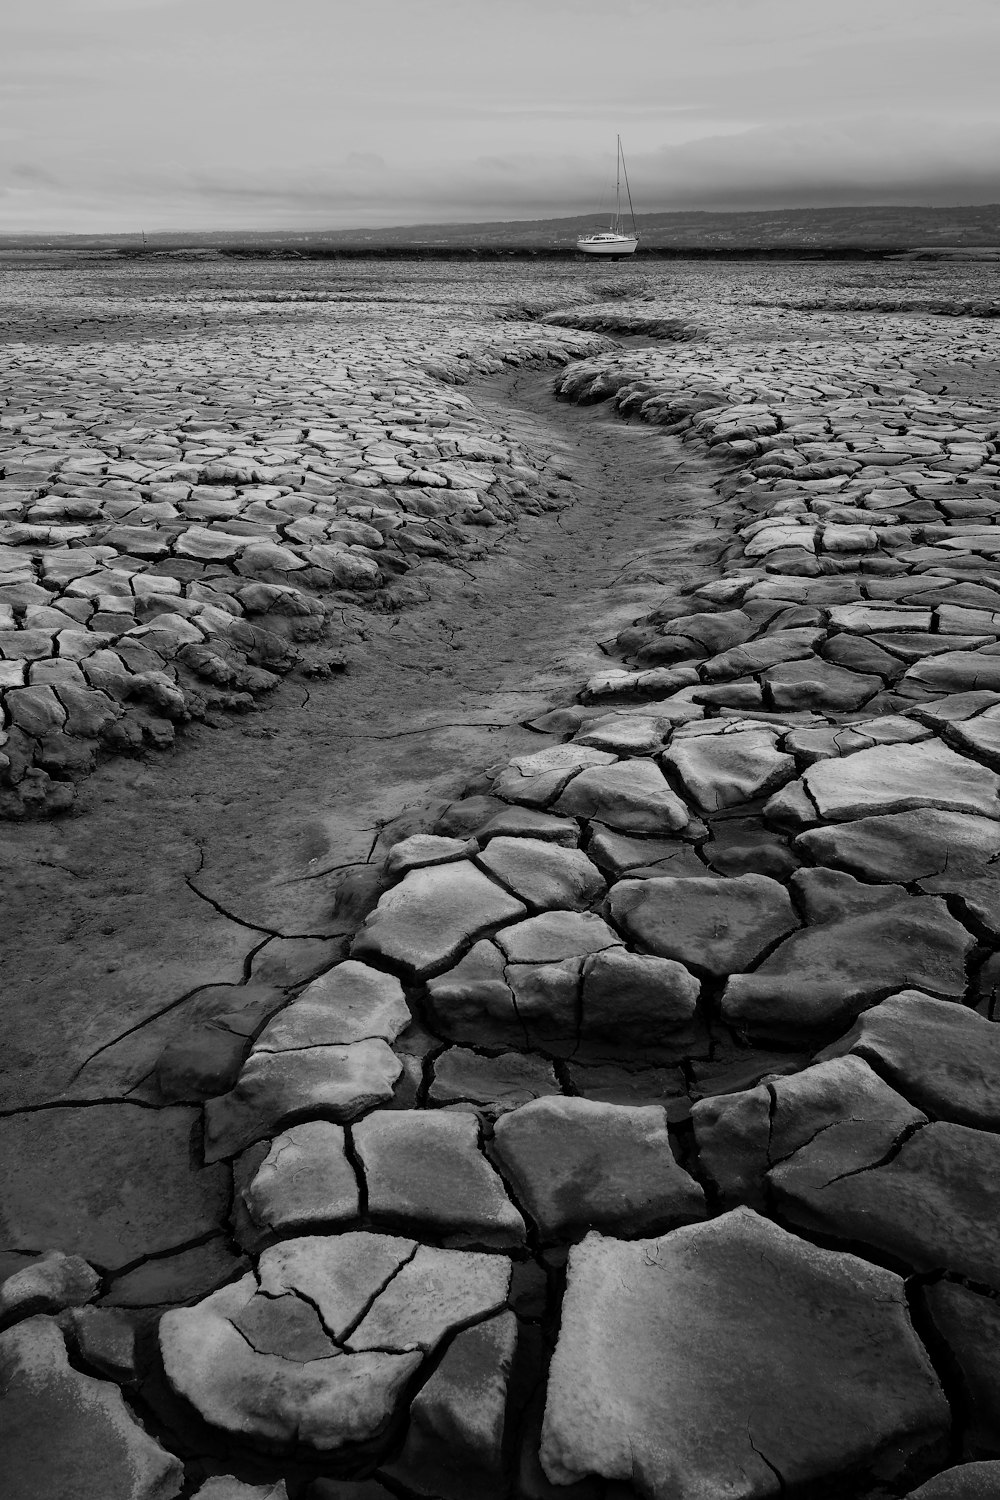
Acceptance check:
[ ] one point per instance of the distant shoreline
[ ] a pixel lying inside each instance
(27, 254)
(858, 232)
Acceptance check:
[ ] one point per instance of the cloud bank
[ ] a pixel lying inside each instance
(170, 114)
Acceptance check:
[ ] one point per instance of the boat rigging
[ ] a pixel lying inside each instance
(614, 241)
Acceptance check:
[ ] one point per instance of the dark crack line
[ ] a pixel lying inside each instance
(352, 864)
(230, 916)
(766, 1461)
(306, 1046)
(820, 1130)
(248, 960)
(772, 1118)
(34, 1109)
(885, 1159)
(516, 1010)
(140, 1025)
(432, 729)
(357, 1166)
(154, 1256)
(47, 864)
(134, 1088)
(294, 1291)
(353, 1327)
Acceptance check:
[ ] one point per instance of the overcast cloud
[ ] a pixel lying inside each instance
(200, 114)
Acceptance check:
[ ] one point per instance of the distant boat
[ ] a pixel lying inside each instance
(614, 241)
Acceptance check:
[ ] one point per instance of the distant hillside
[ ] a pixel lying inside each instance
(805, 228)
(782, 231)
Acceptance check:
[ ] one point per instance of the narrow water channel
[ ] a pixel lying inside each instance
(178, 868)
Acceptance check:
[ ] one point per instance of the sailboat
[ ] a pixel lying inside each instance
(614, 241)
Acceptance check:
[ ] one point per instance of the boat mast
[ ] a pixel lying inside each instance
(627, 188)
(618, 188)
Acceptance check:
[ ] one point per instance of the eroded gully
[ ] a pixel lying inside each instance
(220, 861)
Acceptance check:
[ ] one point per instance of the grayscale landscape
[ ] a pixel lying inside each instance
(500, 889)
(499, 750)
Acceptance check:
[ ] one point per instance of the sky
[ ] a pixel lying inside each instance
(117, 115)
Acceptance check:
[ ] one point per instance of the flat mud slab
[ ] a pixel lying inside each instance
(177, 868)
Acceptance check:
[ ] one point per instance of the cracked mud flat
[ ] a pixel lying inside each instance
(520, 1021)
(431, 694)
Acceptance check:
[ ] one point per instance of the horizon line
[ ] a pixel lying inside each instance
(454, 224)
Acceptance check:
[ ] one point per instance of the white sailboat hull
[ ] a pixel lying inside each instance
(604, 244)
